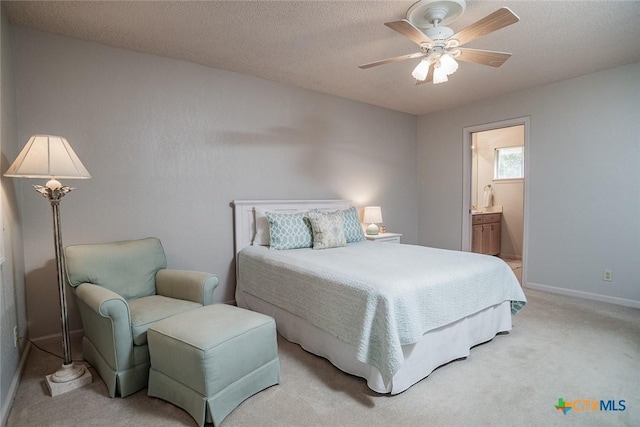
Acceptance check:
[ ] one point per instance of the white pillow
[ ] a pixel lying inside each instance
(262, 237)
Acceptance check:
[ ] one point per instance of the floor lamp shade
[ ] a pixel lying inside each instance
(48, 156)
(51, 157)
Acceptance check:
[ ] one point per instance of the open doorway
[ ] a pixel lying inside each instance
(494, 217)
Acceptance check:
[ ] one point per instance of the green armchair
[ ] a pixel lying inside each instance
(122, 288)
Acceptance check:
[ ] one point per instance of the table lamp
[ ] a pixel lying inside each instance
(372, 215)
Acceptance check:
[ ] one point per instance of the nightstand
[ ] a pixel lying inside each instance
(384, 237)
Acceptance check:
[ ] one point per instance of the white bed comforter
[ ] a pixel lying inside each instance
(378, 297)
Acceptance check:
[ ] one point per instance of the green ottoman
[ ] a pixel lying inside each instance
(209, 360)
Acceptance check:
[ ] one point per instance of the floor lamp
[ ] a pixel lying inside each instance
(51, 157)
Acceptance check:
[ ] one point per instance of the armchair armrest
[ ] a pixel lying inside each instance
(102, 300)
(107, 323)
(187, 285)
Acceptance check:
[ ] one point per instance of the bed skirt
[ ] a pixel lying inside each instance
(436, 348)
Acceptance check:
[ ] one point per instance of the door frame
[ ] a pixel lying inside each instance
(467, 179)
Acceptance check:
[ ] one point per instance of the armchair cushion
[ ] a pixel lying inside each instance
(147, 310)
(116, 266)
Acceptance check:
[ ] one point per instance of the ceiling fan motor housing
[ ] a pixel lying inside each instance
(439, 34)
(431, 13)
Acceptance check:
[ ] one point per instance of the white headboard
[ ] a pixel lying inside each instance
(244, 217)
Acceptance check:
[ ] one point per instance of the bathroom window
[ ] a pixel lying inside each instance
(509, 163)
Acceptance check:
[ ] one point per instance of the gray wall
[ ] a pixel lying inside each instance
(170, 144)
(583, 181)
(12, 292)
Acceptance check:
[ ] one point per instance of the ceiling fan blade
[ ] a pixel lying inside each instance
(499, 19)
(394, 59)
(428, 79)
(407, 29)
(484, 57)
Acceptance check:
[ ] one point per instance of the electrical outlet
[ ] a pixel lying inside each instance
(15, 336)
(607, 276)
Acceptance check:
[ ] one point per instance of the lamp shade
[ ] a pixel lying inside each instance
(448, 64)
(47, 156)
(439, 75)
(421, 71)
(372, 215)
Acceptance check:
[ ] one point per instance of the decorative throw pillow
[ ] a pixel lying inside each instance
(261, 237)
(289, 230)
(352, 227)
(328, 230)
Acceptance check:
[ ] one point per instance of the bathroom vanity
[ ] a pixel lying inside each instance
(486, 231)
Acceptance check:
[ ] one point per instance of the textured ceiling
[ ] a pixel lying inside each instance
(318, 45)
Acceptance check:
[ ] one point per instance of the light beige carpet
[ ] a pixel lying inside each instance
(560, 347)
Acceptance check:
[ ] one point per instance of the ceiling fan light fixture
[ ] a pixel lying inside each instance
(448, 64)
(439, 75)
(421, 70)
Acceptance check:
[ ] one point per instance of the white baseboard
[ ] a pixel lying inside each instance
(58, 337)
(13, 389)
(586, 295)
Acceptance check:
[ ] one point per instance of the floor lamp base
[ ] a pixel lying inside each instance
(67, 378)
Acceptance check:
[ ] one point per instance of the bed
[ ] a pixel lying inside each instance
(388, 313)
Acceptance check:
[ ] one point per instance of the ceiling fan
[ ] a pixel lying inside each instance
(439, 45)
